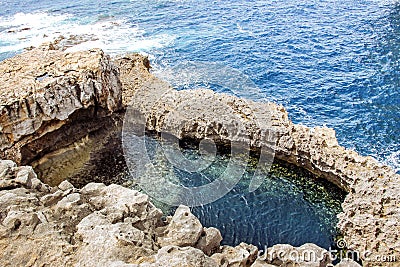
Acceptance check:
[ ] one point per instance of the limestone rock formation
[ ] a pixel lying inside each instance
(240, 256)
(62, 106)
(55, 101)
(101, 225)
(209, 241)
(371, 211)
(184, 229)
(134, 73)
(181, 256)
(97, 225)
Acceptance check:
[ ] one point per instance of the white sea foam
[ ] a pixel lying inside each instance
(24, 30)
(394, 160)
(114, 36)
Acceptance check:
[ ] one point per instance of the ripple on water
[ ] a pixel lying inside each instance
(280, 211)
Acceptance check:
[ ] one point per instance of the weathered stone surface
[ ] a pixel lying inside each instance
(183, 230)
(65, 185)
(240, 256)
(55, 100)
(14, 177)
(370, 219)
(116, 241)
(120, 203)
(134, 73)
(209, 241)
(177, 256)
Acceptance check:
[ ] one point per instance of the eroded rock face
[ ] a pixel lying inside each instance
(209, 241)
(239, 256)
(370, 219)
(134, 73)
(183, 230)
(181, 256)
(54, 101)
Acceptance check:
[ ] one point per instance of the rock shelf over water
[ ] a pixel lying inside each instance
(52, 101)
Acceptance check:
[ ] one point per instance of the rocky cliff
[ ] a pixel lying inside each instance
(51, 102)
(62, 107)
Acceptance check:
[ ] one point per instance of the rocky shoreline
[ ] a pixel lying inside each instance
(58, 107)
(101, 225)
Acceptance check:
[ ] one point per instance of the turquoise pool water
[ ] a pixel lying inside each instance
(291, 206)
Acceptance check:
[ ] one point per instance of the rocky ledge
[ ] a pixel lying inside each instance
(101, 225)
(371, 214)
(61, 107)
(51, 101)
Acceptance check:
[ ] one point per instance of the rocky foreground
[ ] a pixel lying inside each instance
(59, 109)
(101, 225)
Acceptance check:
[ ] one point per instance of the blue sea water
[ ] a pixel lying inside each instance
(333, 63)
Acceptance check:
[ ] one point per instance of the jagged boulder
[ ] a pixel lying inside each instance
(183, 230)
(209, 241)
